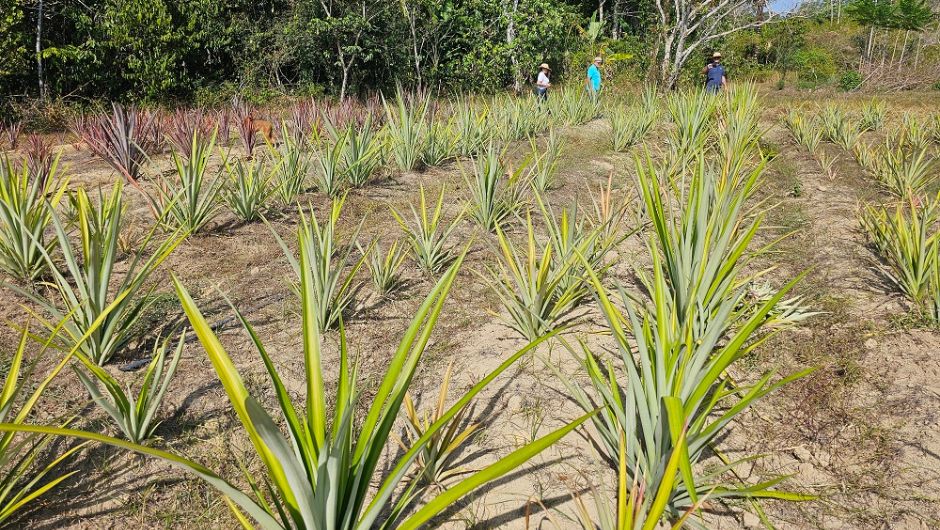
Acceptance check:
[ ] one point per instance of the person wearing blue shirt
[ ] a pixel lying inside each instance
(593, 80)
(716, 77)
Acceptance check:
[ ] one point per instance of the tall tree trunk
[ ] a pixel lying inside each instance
(39, 72)
(907, 34)
(345, 82)
(414, 43)
(894, 49)
(615, 29)
(510, 40)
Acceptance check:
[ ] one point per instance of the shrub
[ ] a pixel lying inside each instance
(850, 80)
(815, 66)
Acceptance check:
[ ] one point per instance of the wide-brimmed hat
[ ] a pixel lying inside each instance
(716, 55)
(598, 59)
(544, 66)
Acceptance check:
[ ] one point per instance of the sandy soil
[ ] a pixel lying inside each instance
(862, 431)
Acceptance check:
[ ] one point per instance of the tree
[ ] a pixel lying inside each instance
(12, 45)
(874, 14)
(686, 26)
(911, 15)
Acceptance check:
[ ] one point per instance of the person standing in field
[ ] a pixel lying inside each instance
(716, 77)
(593, 79)
(543, 82)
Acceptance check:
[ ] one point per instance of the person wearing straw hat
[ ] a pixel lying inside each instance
(593, 79)
(543, 82)
(716, 78)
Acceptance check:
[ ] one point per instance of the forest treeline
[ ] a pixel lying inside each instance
(205, 51)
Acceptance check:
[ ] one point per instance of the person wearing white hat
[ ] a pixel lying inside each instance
(716, 77)
(593, 79)
(543, 82)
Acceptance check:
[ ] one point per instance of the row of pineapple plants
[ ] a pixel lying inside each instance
(905, 232)
(696, 325)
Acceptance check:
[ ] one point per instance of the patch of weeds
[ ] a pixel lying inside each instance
(769, 148)
(910, 320)
(797, 190)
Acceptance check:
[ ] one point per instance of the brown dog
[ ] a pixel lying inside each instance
(260, 126)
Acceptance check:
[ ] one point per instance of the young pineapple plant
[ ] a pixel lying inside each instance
(385, 266)
(513, 118)
(913, 135)
(470, 127)
(291, 170)
(183, 124)
(805, 132)
(245, 124)
(907, 239)
(406, 127)
(676, 348)
(330, 466)
(827, 163)
(361, 153)
(124, 140)
(574, 106)
(441, 143)
(496, 191)
(334, 288)
(580, 245)
(437, 463)
(25, 216)
(193, 198)
(102, 321)
(934, 288)
(630, 125)
(39, 158)
(837, 128)
(738, 127)
(250, 186)
(134, 416)
(874, 114)
(27, 469)
(543, 170)
(902, 172)
(693, 114)
(428, 234)
(10, 132)
(329, 172)
(533, 285)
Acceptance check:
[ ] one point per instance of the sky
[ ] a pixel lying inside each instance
(783, 6)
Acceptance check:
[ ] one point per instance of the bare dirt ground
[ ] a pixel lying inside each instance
(862, 431)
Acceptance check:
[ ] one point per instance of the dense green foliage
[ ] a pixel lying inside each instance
(206, 51)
